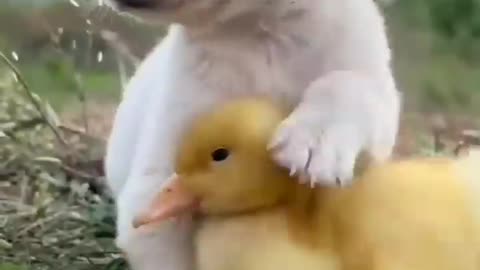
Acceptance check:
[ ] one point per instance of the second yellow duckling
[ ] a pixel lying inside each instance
(419, 214)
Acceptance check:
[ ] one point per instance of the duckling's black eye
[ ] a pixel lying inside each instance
(220, 154)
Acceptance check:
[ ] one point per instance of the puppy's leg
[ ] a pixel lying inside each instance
(144, 91)
(342, 114)
(123, 138)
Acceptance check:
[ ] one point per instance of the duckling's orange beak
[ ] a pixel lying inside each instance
(172, 201)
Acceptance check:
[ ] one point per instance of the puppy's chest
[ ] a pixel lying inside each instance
(272, 71)
(255, 243)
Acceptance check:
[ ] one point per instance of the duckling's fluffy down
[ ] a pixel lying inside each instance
(416, 214)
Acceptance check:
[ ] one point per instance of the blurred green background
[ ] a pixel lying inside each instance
(77, 55)
(435, 43)
(59, 48)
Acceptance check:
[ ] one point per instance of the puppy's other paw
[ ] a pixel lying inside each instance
(319, 152)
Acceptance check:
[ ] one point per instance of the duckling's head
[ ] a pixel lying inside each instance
(223, 165)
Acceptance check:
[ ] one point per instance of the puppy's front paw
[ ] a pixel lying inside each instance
(319, 152)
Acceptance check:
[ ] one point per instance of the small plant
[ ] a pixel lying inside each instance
(55, 211)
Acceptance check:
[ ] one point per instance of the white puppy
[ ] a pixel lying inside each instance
(327, 59)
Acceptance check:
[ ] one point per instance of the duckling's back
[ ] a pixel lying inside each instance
(414, 214)
(417, 214)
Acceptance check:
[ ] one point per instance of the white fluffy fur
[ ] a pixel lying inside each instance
(327, 59)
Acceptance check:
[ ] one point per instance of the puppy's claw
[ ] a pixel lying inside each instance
(293, 171)
(312, 182)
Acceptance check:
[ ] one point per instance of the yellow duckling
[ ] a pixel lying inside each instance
(419, 214)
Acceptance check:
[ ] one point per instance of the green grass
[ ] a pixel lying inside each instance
(56, 212)
(433, 74)
(63, 88)
(9, 266)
